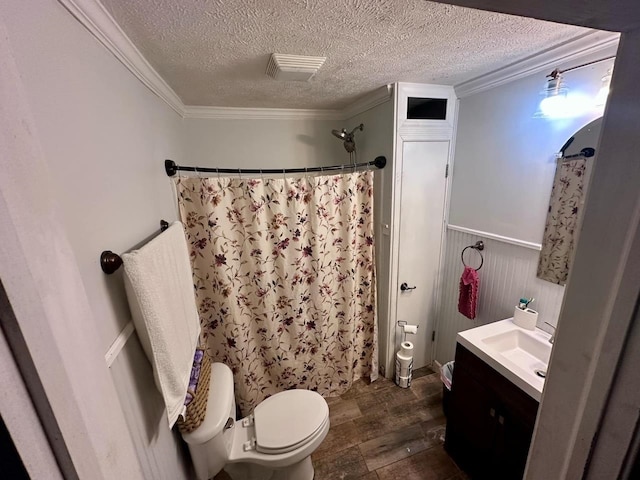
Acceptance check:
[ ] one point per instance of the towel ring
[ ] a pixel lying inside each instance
(478, 247)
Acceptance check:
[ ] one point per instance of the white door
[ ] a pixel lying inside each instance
(422, 204)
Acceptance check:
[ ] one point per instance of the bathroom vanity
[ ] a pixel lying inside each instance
(495, 397)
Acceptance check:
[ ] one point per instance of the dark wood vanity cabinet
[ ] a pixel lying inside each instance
(490, 421)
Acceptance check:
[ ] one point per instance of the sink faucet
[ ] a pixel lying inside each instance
(553, 335)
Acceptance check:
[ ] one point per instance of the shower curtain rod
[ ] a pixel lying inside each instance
(172, 168)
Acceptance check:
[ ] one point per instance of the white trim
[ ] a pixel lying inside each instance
(494, 236)
(588, 44)
(118, 344)
(102, 25)
(95, 18)
(236, 113)
(434, 134)
(367, 102)
(445, 222)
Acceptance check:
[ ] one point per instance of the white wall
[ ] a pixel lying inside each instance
(502, 177)
(21, 418)
(377, 139)
(249, 143)
(103, 137)
(504, 162)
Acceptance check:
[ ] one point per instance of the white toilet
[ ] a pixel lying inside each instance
(275, 442)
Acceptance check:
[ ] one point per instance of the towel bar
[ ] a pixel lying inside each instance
(110, 262)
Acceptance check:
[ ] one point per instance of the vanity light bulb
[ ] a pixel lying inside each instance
(571, 105)
(553, 107)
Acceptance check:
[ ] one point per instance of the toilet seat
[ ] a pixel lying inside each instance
(287, 420)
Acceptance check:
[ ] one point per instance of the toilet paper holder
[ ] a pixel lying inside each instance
(403, 324)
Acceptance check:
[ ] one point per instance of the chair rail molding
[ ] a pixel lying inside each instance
(495, 236)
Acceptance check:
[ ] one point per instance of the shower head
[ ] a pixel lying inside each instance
(341, 134)
(348, 137)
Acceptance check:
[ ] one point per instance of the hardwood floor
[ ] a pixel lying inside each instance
(380, 431)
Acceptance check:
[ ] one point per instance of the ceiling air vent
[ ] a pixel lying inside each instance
(297, 68)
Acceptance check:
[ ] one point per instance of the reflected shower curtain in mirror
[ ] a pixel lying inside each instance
(561, 228)
(285, 280)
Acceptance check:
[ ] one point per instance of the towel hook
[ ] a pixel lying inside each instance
(478, 247)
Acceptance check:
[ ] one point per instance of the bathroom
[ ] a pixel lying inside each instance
(95, 181)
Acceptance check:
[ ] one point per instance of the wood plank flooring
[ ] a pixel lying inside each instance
(380, 431)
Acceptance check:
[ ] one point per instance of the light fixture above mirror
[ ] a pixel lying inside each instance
(560, 102)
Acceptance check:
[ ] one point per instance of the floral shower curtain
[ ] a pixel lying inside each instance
(285, 279)
(560, 231)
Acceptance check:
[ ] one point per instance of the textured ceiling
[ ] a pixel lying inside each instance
(215, 52)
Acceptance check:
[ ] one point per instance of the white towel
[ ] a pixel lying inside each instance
(159, 287)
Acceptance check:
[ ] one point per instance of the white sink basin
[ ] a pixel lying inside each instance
(519, 355)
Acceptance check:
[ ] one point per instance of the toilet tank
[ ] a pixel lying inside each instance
(210, 443)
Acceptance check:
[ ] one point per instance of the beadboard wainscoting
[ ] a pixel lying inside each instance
(161, 451)
(508, 274)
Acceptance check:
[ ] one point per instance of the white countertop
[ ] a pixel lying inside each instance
(514, 352)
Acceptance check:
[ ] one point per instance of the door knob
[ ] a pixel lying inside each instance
(405, 287)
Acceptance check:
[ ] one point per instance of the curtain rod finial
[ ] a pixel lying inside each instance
(380, 161)
(170, 167)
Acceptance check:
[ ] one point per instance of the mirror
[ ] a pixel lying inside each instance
(565, 206)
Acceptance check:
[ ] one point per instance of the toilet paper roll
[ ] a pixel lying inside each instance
(410, 329)
(406, 350)
(403, 365)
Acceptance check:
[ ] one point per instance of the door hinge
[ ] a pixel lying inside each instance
(433, 336)
(446, 171)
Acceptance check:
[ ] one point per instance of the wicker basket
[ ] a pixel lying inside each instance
(197, 409)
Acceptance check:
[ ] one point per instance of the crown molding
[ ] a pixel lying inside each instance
(239, 113)
(99, 22)
(368, 101)
(588, 44)
(102, 25)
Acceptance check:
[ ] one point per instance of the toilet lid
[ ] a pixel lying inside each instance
(287, 419)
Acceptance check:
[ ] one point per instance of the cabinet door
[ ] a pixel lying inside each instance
(513, 439)
(471, 425)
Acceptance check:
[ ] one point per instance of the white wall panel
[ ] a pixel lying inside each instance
(508, 273)
(161, 451)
